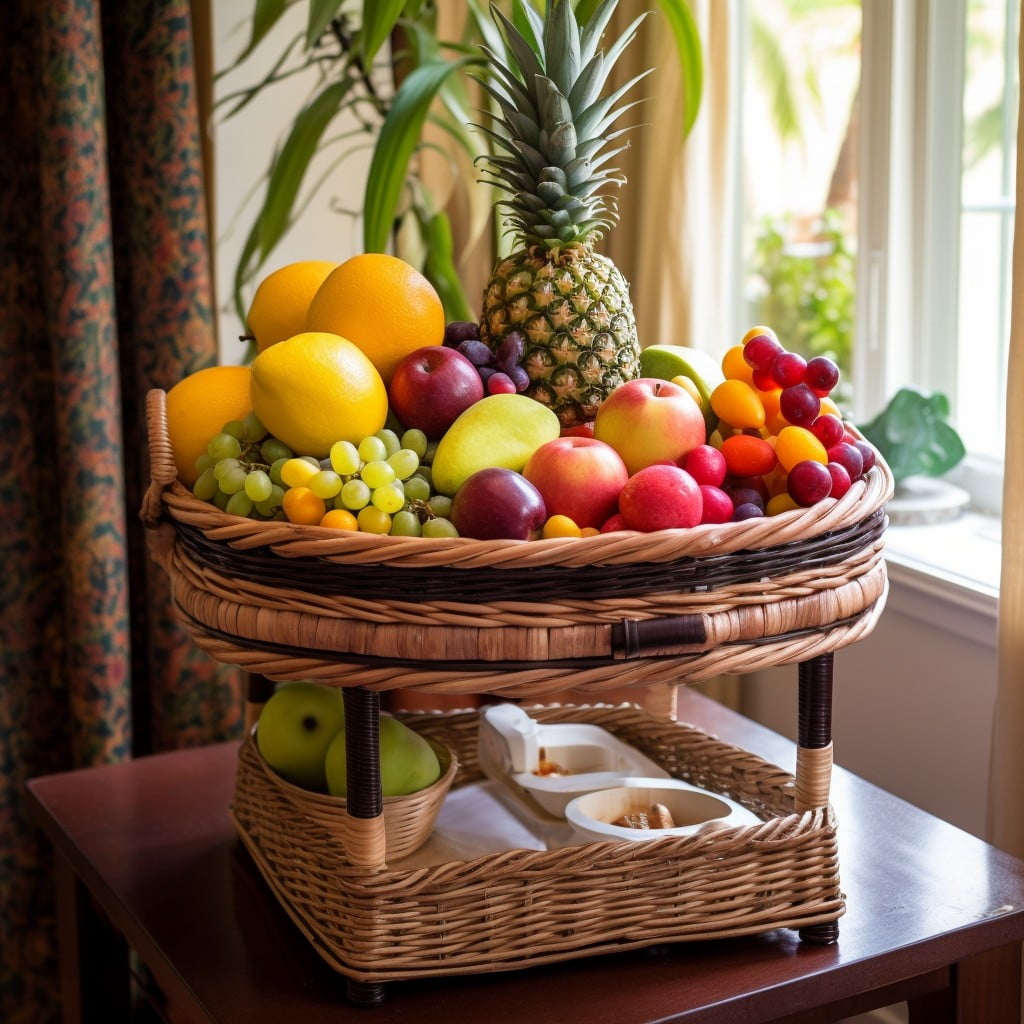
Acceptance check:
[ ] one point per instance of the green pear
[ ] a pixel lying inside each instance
(668, 361)
(499, 431)
(407, 761)
(295, 728)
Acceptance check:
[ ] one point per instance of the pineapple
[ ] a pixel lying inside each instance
(555, 306)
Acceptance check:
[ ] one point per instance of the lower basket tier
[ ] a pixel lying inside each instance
(522, 908)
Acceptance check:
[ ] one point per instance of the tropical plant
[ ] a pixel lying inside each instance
(382, 64)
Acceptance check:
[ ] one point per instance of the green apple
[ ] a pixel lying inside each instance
(295, 729)
(668, 361)
(407, 761)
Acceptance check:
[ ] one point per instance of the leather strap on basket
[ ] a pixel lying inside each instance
(162, 468)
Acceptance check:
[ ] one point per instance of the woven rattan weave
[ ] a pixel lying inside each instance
(525, 907)
(523, 619)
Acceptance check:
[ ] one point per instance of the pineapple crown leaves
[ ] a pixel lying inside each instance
(550, 135)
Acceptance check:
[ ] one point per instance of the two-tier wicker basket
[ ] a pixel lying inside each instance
(525, 620)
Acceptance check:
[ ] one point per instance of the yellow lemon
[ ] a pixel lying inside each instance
(382, 304)
(317, 388)
(198, 406)
(281, 302)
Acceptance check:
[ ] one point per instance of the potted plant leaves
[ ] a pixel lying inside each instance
(916, 439)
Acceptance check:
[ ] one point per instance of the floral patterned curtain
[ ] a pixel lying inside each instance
(105, 291)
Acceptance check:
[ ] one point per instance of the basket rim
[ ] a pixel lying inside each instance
(168, 497)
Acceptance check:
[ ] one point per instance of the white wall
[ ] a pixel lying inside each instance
(913, 702)
(243, 147)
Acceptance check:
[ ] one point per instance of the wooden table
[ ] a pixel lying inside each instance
(146, 859)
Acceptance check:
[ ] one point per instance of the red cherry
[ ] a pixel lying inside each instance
(821, 375)
(788, 369)
(761, 351)
(840, 479)
(828, 429)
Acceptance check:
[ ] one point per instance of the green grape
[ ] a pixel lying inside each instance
(389, 498)
(272, 506)
(233, 480)
(373, 520)
(272, 450)
(325, 484)
(345, 458)
(404, 462)
(204, 462)
(220, 468)
(416, 441)
(223, 446)
(235, 429)
(205, 486)
(416, 488)
(372, 449)
(239, 504)
(439, 527)
(258, 485)
(377, 473)
(312, 460)
(390, 439)
(440, 505)
(252, 429)
(406, 524)
(424, 472)
(275, 471)
(355, 494)
(428, 455)
(220, 499)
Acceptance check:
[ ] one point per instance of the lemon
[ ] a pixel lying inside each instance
(197, 408)
(382, 304)
(281, 302)
(314, 389)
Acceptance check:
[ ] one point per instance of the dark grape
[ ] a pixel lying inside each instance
(748, 510)
(821, 375)
(476, 352)
(510, 351)
(459, 331)
(808, 482)
(763, 379)
(788, 369)
(519, 377)
(761, 351)
(867, 453)
(840, 479)
(828, 429)
(848, 456)
(799, 404)
(746, 496)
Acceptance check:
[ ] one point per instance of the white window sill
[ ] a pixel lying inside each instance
(957, 561)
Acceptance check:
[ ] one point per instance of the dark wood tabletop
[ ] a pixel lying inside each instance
(934, 915)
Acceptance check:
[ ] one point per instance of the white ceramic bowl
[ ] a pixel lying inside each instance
(692, 809)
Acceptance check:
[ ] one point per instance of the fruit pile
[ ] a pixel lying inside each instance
(545, 419)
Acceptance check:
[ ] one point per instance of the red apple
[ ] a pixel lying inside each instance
(431, 386)
(649, 421)
(578, 477)
(661, 497)
(498, 504)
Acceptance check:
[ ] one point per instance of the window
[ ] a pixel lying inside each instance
(880, 206)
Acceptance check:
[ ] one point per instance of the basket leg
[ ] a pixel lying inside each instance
(814, 739)
(365, 799)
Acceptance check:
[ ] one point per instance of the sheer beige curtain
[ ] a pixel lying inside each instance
(1006, 806)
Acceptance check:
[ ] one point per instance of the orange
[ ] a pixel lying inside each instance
(198, 406)
(382, 304)
(301, 505)
(281, 302)
(339, 519)
(315, 389)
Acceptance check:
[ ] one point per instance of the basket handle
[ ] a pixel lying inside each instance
(162, 469)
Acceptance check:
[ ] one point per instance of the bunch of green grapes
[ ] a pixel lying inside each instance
(384, 481)
(237, 471)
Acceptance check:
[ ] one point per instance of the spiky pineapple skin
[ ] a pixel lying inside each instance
(573, 308)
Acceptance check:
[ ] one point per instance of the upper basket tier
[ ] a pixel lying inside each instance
(520, 618)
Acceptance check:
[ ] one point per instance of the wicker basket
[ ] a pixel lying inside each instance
(523, 619)
(522, 908)
(408, 820)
